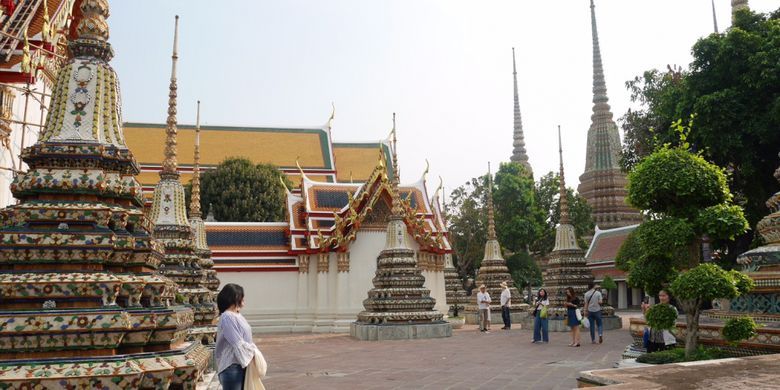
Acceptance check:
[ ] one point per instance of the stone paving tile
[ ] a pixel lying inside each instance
(467, 360)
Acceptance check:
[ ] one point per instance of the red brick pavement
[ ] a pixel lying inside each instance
(467, 360)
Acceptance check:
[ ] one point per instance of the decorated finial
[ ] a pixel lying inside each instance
(195, 201)
(332, 115)
(169, 165)
(396, 210)
(491, 233)
(563, 198)
(714, 17)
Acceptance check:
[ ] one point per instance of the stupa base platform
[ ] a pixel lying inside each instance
(518, 318)
(373, 332)
(561, 324)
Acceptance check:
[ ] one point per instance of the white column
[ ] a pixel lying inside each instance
(321, 308)
(622, 295)
(636, 296)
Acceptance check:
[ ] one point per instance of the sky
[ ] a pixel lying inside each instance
(444, 66)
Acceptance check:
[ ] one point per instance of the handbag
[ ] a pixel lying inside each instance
(578, 312)
(543, 314)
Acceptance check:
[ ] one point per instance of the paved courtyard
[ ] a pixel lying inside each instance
(467, 360)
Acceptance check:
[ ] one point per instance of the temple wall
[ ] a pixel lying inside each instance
(313, 301)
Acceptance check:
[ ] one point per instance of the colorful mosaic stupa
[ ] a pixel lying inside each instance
(453, 284)
(519, 154)
(399, 306)
(181, 262)
(566, 266)
(493, 270)
(603, 184)
(81, 303)
(204, 330)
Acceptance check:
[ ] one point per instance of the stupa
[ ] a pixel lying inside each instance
(603, 184)
(171, 226)
(399, 306)
(493, 271)
(204, 330)
(519, 154)
(82, 304)
(453, 285)
(567, 266)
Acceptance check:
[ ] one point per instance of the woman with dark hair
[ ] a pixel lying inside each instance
(572, 305)
(235, 349)
(540, 317)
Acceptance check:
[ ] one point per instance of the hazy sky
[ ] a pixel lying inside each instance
(444, 66)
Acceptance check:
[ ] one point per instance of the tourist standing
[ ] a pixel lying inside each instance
(540, 317)
(572, 305)
(593, 312)
(235, 349)
(483, 300)
(506, 302)
(660, 340)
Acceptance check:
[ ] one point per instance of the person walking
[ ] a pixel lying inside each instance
(483, 300)
(660, 340)
(506, 302)
(593, 312)
(235, 349)
(572, 306)
(541, 303)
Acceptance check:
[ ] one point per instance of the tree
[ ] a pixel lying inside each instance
(240, 191)
(519, 220)
(468, 225)
(731, 89)
(701, 285)
(608, 284)
(547, 199)
(687, 197)
(524, 269)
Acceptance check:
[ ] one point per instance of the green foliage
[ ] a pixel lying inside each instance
(608, 283)
(661, 316)
(468, 224)
(738, 329)
(666, 239)
(629, 252)
(731, 87)
(742, 282)
(518, 219)
(706, 282)
(547, 198)
(677, 183)
(524, 269)
(651, 275)
(722, 221)
(677, 355)
(240, 191)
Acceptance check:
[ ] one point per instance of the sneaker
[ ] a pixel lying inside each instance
(601, 339)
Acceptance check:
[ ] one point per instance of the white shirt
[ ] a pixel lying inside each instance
(483, 296)
(506, 297)
(234, 341)
(593, 301)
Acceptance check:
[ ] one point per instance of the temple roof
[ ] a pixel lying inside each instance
(606, 243)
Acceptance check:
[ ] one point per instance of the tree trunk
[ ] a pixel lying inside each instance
(692, 332)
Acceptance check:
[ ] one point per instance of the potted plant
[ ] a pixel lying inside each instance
(455, 320)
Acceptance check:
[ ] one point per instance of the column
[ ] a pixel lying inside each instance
(622, 295)
(636, 296)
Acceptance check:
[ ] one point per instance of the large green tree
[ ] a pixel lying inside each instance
(732, 89)
(241, 191)
(468, 224)
(519, 220)
(687, 197)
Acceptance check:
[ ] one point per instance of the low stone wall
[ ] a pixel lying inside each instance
(561, 324)
(370, 332)
(517, 318)
(767, 340)
(721, 374)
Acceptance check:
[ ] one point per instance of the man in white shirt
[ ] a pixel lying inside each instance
(593, 312)
(483, 300)
(506, 301)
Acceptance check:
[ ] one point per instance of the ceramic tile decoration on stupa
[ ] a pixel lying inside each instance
(603, 184)
(566, 266)
(180, 263)
(81, 303)
(399, 306)
(519, 154)
(453, 284)
(492, 272)
(204, 329)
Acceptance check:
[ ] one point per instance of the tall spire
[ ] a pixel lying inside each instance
(737, 5)
(396, 210)
(563, 197)
(491, 228)
(169, 166)
(518, 152)
(603, 182)
(195, 199)
(714, 17)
